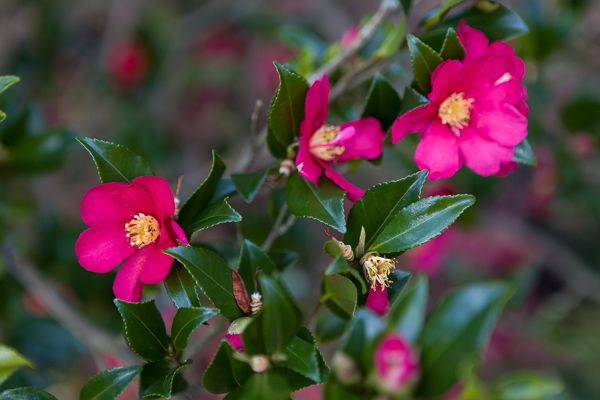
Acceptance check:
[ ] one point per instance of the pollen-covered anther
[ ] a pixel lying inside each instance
(321, 143)
(455, 111)
(255, 304)
(142, 230)
(377, 270)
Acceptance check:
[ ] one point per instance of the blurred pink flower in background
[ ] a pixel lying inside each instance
(322, 144)
(131, 222)
(349, 36)
(395, 363)
(222, 43)
(430, 257)
(309, 393)
(128, 64)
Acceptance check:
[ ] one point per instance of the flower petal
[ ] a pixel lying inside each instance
(377, 300)
(366, 141)
(481, 74)
(315, 107)
(160, 192)
(503, 123)
(307, 166)
(354, 193)
(157, 264)
(437, 151)
(114, 203)
(474, 42)
(415, 120)
(445, 80)
(481, 154)
(506, 169)
(127, 285)
(514, 65)
(179, 233)
(103, 248)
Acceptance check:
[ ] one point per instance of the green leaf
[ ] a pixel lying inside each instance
(324, 371)
(214, 214)
(7, 81)
(42, 151)
(268, 385)
(393, 40)
(283, 259)
(407, 314)
(420, 222)
(287, 110)
(424, 61)
(302, 359)
(163, 380)
(11, 360)
(527, 385)
(411, 100)
(253, 259)
(324, 203)
(212, 274)
(115, 163)
(181, 287)
(253, 336)
(144, 329)
(26, 393)
(399, 279)
(406, 5)
(452, 49)
(194, 206)
(339, 294)
(361, 337)
(186, 321)
(341, 266)
(225, 372)
(277, 149)
(524, 154)
(380, 204)
(248, 184)
(459, 327)
(109, 384)
(329, 326)
(383, 102)
(434, 16)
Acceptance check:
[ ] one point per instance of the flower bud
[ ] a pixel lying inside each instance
(345, 369)
(259, 363)
(396, 366)
(234, 333)
(287, 167)
(255, 304)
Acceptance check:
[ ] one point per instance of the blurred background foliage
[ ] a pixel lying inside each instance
(174, 80)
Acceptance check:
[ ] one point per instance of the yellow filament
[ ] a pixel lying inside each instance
(377, 270)
(142, 230)
(319, 143)
(455, 111)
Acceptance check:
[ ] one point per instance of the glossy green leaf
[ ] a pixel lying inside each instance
(181, 287)
(253, 259)
(339, 294)
(524, 154)
(459, 327)
(186, 321)
(214, 214)
(452, 49)
(341, 266)
(411, 100)
(329, 326)
(163, 379)
(434, 16)
(324, 371)
(268, 385)
(361, 337)
(10, 361)
(324, 203)
(224, 188)
(527, 385)
(383, 102)
(109, 384)
(212, 274)
(144, 329)
(248, 184)
(424, 61)
(225, 371)
(301, 358)
(420, 222)
(287, 110)
(407, 314)
(399, 279)
(115, 163)
(277, 149)
(393, 40)
(253, 336)
(7, 81)
(26, 393)
(380, 204)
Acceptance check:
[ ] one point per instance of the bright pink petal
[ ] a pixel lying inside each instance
(506, 169)
(377, 300)
(315, 107)
(157, 264)
(522, 107)
(235, 340)
(481, 154)
(414, 121)
(114, 203)
(514, 64)
(447, 79)
(127, 284)
(481, 74)
(160, 192)
(307, 166)
(354, 193)
(507, 92)
(366, 142)
(504, 124)
(103, 248)
(437, 151)
(179, 233)
(474, 42)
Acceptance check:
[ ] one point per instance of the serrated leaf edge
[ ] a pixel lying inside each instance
(106, 372)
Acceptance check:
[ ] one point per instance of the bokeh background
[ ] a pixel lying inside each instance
(172, 80)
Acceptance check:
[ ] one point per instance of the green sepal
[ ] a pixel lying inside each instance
(248, 185)
(109, 384)
(424, 61)
(383, 102)
(181, 287)
(186, 321)
(225, 372)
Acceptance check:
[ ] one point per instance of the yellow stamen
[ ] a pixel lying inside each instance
(142, 230)
(319, 143)
(456, 112)
(377, 270)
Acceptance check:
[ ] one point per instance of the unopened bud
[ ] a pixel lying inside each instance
(345, 369)
(287, 167)
(347, 251)
(255, 304)
(396, 366)
(234, 332)
(259, 363)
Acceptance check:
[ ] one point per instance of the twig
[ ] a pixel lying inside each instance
(254, 118)
(274, 233)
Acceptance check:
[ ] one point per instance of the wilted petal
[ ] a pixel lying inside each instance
(377, 300)
(103, 248)
(354, 193)
(415, 120)
(437, 151)
(307, 166)
(159, 192)
(366, 141)
(481, 154)
(315, 107)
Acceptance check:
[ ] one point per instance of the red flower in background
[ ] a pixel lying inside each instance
(128, 64)
(131, 222)
(396, 365)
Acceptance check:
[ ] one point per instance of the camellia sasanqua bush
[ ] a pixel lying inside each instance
(385, 337)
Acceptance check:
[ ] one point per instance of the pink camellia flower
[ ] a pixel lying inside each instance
(396, 366)
(128, 64)
(376, 270)
(322, 144)
(234, 333)
(131, 222)
(475, 114)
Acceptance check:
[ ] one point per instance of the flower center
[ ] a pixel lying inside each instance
(456, 112)
(377, 270)
(142, 230)
(320, 143)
